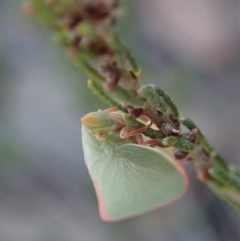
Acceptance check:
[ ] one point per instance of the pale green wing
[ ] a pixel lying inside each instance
(133, 179)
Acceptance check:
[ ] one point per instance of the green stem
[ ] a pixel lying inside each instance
(217, 159)
(87, 68)
(234, 170)
(45, 14)
(225, 178)
(169, 101)
(219, 190)
(131, 60)
(96, 89)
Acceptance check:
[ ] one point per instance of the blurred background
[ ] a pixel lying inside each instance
(189, 47)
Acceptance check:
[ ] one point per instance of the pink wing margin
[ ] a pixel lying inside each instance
(101, 206)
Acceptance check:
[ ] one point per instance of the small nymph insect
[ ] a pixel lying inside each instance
(129, 177)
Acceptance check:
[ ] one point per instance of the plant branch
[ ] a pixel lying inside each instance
(86, 31)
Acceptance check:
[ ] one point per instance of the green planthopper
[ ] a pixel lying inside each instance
(130, 178)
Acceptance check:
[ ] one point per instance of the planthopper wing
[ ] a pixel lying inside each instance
(135, 179)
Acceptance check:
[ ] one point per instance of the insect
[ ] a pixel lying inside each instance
(129, 178)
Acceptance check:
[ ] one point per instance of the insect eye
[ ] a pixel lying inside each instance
(101, 135)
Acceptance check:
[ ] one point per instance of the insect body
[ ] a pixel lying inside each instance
(129, 179)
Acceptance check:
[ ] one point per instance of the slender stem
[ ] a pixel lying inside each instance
(234, 170)
(44, 13)
(96, 89)
(180, 143)
(219, 190)
(169, 101)
(224, 177)
(87, 68)
(205, 145)
(128, 97)
(131, 61)
(115, 44)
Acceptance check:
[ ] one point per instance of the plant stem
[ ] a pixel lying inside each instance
(98, 52)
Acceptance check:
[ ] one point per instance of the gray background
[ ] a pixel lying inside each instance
(188, 47)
